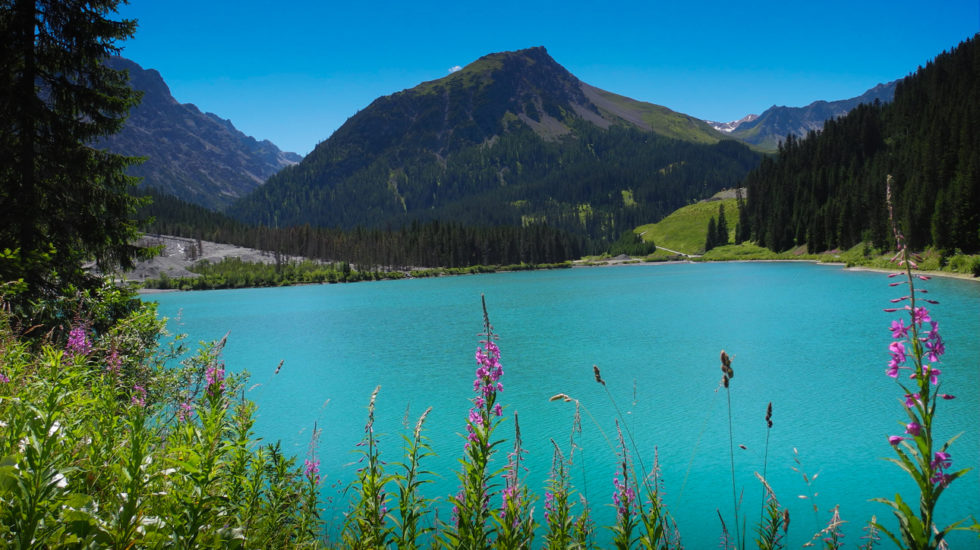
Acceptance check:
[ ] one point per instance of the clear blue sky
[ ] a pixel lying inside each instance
(292, 71)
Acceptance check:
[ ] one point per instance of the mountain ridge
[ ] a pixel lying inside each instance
(197, 156)
(771, 127)
(514, 129)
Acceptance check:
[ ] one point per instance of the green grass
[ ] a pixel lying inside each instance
(861, 255)
(664, 121)
(686, 229)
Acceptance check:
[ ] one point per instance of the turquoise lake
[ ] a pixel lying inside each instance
(811, 339)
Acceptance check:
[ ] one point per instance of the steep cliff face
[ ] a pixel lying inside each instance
(196, 156)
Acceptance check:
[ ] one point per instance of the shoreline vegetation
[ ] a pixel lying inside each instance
(253, 272)
(237, 273)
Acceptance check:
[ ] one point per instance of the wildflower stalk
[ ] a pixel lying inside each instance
(516, 520)
(471, 515)
(366, 524)
(624, 499)
(629, 434)
(871, 537)
(412, 505)
(774, 520)
(917, 455)
(659, 530)
(557, 509)
(310, 522)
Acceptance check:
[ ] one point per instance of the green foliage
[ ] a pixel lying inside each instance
(712, 234)
(412, 506)
(631, 244)
(684, 229)
(717, 233)
(828, 190)
(236, 273)
(367, 521)
(64, 202)
(104, 445)
(433, 244)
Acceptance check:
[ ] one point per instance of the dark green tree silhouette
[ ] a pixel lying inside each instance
(710, 240)
(721, 230)
(64, 201)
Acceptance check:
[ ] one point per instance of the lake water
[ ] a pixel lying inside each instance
(812, 339)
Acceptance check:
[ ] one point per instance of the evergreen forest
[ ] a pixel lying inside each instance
(594, 184)
(420, 244)
(827, 190)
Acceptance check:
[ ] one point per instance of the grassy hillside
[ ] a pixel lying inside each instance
(654, 117)
(686, 229)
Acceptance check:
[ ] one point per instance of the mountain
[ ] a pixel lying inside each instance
(728, 127)
(775, 123)
(511, 139)
(828, 189)
(196, 156)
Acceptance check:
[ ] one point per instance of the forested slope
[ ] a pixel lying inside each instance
(828, 189)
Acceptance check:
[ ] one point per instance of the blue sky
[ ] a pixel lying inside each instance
(292, 71)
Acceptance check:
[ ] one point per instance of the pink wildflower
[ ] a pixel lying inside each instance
(215, 378)
(311, 468)
(113, 362)
(184, 411)
(921, 315)
(139, 396)
(940, 464)
(78, 343)
(623, 496)
(911, 399)
(900, 329)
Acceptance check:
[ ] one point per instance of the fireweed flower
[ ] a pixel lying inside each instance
(311, 467)
(486, 385)
(215, 378)
(139, 396)
(184, 411)
(3, 378)
(113, 363)
(623, 496)
(911, 399)
(920, 344)
(897, 350)
(940, 463)
(78, 343)
(900, 329)
(920, 315)
(934, 343)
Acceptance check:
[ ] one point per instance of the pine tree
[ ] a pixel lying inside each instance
(709, 241)
(64, 201)
(721, 235)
